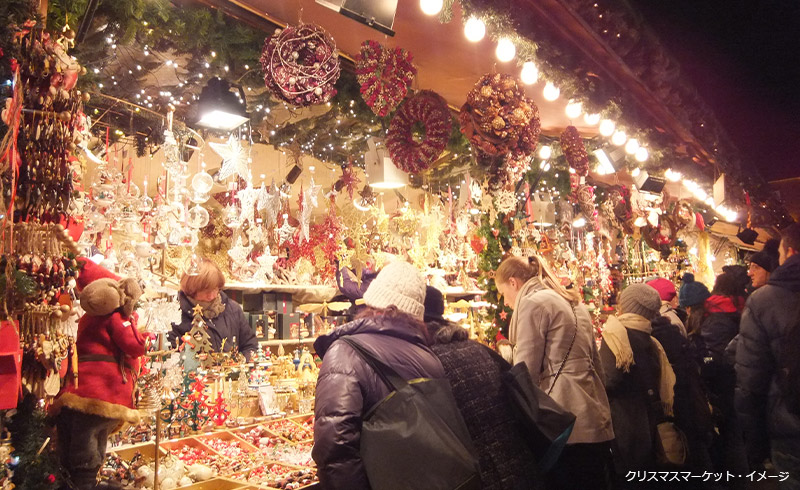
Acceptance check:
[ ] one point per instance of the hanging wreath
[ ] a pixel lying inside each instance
(384, 75)
(409, 152)
(498, 118)
(574, 151)
(301, 65)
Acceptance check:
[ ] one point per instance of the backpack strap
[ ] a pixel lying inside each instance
(388, 375)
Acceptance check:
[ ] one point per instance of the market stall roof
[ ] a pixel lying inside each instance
(446, 61)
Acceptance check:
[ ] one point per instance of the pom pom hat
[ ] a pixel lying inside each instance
(692, 293)
(399, 284)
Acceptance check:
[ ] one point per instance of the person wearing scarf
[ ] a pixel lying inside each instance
(639, 379)
(227, 326)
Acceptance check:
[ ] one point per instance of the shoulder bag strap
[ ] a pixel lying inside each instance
(566, 356)
(388, 375)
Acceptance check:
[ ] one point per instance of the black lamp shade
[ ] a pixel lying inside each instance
(748, 236)
(220, 107)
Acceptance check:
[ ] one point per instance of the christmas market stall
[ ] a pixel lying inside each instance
(280, 153)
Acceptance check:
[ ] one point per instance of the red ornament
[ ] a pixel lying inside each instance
(574, 151)
(430, 110)
(301, 65)
(51, 478)
(478, 243)
(384, 75)
(503, 315)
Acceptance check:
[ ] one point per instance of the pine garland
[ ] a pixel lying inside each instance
(498, 242)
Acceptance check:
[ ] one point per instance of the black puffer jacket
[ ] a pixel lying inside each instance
(228, 324)
(770, 311)
(348, 388)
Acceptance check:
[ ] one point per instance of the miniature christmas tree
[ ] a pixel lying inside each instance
(202, 341)
(219, 412)
(260, 357)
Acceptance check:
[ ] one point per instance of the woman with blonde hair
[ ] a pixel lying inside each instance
(224, 317)
(552, 333)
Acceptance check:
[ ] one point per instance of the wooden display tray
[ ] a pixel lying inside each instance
(147, 449)
(227, 436)
(268, 464)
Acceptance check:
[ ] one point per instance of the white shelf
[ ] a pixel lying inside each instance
(286, 341)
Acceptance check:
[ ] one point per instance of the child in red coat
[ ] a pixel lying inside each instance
(109, 346)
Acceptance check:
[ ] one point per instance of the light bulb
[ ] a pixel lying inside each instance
(545, 152)
(431, 7)
(529, 73)
(606, 127)
(551, 92)
(505, 50)
(631, 146)
(641, 154)
(636, 172)
(672, 175)
(574, 109)
(619, 138)
(579, 223)
(591, 119)
(474, 29)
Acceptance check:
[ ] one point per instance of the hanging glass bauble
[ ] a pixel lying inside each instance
(104, 195)
(198, 197)
(131, 190)
(202, 182)
(144, 204)
(97, 219)
(197, 217)
(230, 217)
(176, 194)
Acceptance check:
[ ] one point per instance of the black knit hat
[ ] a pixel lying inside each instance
(767, 258)
(434, 305)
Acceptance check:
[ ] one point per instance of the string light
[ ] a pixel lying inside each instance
(606, 127)
(545, 152)
(631, 146)
(505, 50)
(431, 7)
(474, 29)
(529, 74)
(641, 154)
(574, 109)
(619, 138)
(591, 119)
(551, 92)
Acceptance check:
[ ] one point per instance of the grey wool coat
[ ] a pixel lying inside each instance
(541, 330)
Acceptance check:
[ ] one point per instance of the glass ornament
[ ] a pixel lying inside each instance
(197, 217)
(202, 182)
(104, 195)
(144, 204)
(176, 194)
(198, 197)
(230, 217)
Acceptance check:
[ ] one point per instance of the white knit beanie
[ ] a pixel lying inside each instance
(399, 284)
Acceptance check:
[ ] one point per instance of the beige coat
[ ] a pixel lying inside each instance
(541, 330)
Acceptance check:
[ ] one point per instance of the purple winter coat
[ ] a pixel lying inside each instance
(348, 388)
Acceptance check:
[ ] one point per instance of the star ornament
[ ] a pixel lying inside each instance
(270, 202)
(234, 159)
(266, 264)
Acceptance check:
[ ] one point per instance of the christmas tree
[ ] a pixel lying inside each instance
(202, 341)
(38, 467)
(498, 241)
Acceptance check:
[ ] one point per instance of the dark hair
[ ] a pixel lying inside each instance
(444, 332)
(694, 321)
(392, 314)
(790, 237)
(728, 284)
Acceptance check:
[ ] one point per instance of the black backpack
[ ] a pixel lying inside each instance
(789, 368)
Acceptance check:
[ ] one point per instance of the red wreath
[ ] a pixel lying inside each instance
(301, 65)
(384, 75)
(574, 151)
(498, 118)
(430, 110)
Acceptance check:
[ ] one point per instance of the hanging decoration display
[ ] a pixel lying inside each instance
(574, 151)
(40, 141)
(385, 75)
(301, 65)
(683, 214)
(412, 153)
(498, 118)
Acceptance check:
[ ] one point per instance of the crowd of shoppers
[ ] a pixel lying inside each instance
(723, 367)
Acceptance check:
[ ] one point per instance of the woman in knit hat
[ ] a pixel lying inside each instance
(763, 263)
(552, 333)
(639, 379)
(347, 388)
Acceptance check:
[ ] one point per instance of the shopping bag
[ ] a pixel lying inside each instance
(415, 438)
(670, 444)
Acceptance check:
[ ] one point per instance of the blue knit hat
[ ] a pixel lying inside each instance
(692, 293)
